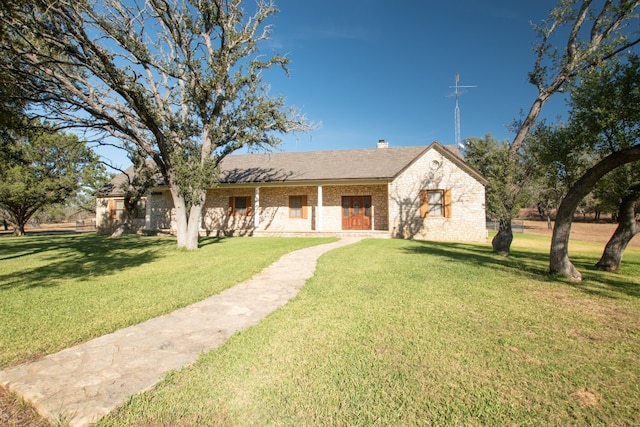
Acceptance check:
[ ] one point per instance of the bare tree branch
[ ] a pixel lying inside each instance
(179, 80)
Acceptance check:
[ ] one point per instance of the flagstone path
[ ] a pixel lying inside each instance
(82, 384)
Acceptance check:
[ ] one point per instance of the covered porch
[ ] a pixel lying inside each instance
(298, 209)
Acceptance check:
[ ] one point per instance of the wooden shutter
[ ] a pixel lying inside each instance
(112, 209)
(230, 206)
(447, 204)
(424, 203)
(304, 206)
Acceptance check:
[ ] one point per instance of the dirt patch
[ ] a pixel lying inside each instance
(15, 413)
(585, 398)
(588, 231)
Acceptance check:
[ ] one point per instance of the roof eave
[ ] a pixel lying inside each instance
(306, 183)
(459, 162)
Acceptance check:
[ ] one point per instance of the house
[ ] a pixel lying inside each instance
(419, 192)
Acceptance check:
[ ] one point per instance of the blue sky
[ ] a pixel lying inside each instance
(373, 69)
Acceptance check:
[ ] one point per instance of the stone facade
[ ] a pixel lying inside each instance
(436, 171)
(272, 208)
(160, 212)
(109, 213)
(397, 203)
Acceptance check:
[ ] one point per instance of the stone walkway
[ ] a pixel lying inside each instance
(84, 383)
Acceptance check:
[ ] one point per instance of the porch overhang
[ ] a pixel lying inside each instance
(306, 183)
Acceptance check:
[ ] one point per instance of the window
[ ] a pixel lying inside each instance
(298, 207)
(119, 212)
(435, 203)
(116, 209)
(141, 209)
(240, 206)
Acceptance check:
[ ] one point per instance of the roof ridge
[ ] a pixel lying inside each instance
(373, 149)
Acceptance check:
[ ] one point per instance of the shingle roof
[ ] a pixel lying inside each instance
(376, 163)
(363, 164)
(115, 187)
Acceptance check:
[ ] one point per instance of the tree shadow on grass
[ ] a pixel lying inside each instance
(55, 259)
(527, 263)
(532, 264)
(606, 284)
(206, 241)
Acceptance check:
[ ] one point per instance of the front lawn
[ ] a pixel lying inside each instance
(387, 332)
(392, 332)
(56, 291)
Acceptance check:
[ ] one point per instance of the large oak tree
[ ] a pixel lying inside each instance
(577, 35)
(626, 230)
(605, 121)
(41, 168)
(179, 80)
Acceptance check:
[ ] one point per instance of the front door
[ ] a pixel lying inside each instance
(356, 212)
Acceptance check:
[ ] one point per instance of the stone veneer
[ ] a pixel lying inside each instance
(434, 171)
(396, 205)
(273, 208)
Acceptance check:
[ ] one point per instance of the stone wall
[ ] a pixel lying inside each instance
(395, 206)
(434, 171)
(108, 219)
(102, 212)
(160, 211)
(273, 209)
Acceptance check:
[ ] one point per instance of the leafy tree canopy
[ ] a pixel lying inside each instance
(491, 158)
(604, 125)
(178, 80)
(576, 36)
(44, 167)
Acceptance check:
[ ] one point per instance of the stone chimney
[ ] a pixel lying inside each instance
(383, 144)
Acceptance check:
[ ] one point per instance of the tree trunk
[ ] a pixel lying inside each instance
(627, 229)
(559, 256)
(501, 243)
(526, 125)
(180, 208)
(187, 219)
(193, 228)
(19, 223)
(126, 225)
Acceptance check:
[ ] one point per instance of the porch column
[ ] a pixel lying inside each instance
(391, 226)
(319, 210)
(256, 208)
(373, 216)
(147, 211)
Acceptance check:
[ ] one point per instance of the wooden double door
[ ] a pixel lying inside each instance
(356, 212)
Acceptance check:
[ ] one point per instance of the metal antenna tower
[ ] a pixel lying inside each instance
(457, 110)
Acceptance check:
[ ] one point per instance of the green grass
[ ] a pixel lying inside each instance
(387, 332)
(392, 332)
(56, 291)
